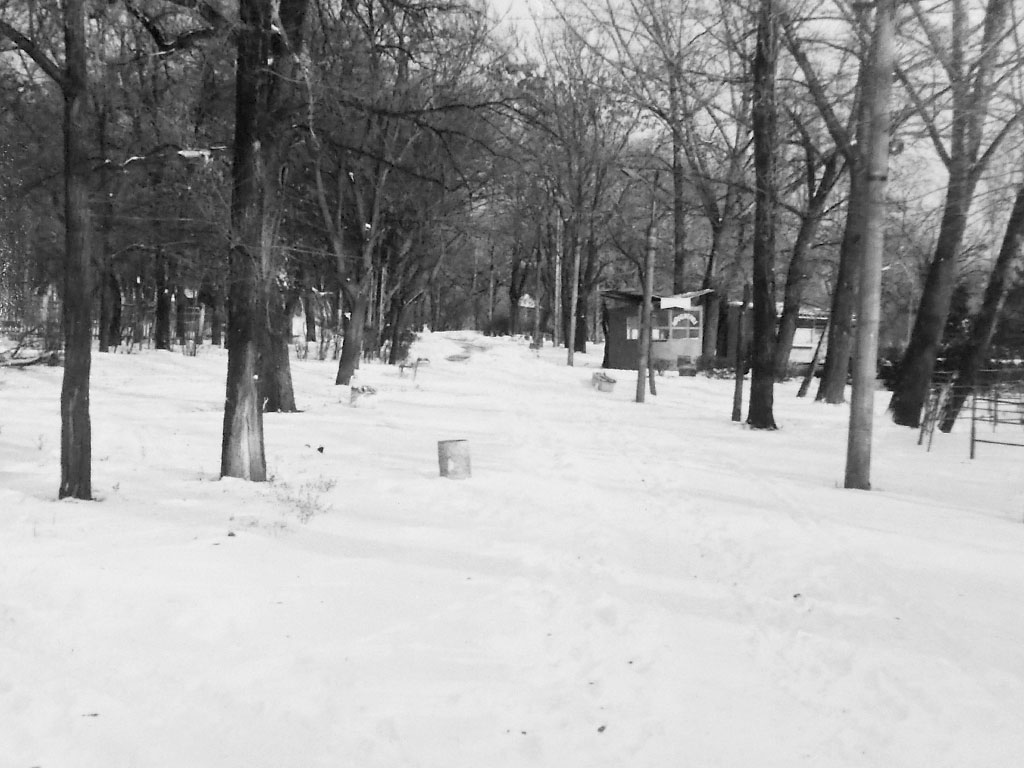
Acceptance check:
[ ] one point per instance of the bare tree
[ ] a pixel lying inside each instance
(270, 40)
(972, 75)
(72, 79)
(760, 414)
(848, 144)
(1005, 275)
(822, 171)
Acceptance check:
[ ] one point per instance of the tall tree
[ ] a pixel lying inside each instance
(1005, 276)
(760, 414)
(72, 79)
(822, 171)
(972, 78)
(270, 43)
(656, 46)
(848, 143)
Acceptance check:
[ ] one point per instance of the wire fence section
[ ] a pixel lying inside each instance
(998, 401)
(995, 405)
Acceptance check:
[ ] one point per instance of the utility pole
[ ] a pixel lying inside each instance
(878, 91)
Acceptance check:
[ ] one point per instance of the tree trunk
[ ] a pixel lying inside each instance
(574, 300)
(180, 306)
(110, 310)
(876, 115)
(984, 325)
(358, 305)
(556, 303)
(276, 388)
(644, 360)
(538, 288)
(162, 320)
(582, 319)
(242, 450)
(678, 186)
(309, 305)
(763, 120)
(832, 388)
(918, 364)
(798, 274)
(972, 85)
(76, 427)
(796, 279)
(269, 41)
(217, 318)
(738, 348)
(712, 318)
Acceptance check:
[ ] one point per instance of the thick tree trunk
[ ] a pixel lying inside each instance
(918, 364)
(763, 120)
(582, 319)
(269, 41)
(309, 305)
(983, 327)
(358, 306)
(972, 85)
(76, 427)
(275, 361)
(110, 311)
(162, 318)
(242, 450)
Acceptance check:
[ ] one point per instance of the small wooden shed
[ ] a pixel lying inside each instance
(677, 329)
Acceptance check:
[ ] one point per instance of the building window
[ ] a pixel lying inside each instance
(667, 324)
(686, 324)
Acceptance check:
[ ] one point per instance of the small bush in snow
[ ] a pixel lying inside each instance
(307, 500)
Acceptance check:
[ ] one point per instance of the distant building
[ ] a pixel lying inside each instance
(677, 329)
(810, 325)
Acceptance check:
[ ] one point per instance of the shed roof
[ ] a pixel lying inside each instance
(633, 297)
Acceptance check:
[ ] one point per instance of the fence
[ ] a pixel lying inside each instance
(999, 401)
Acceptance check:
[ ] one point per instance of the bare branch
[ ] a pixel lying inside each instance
(34, 52)
(927, 119)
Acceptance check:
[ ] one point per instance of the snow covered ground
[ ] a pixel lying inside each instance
(616, 585)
